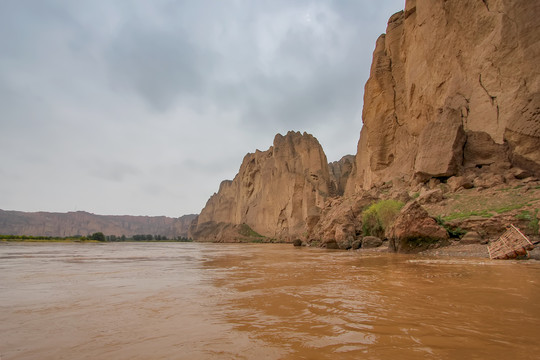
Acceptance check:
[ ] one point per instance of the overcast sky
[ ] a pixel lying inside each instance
(144, 107)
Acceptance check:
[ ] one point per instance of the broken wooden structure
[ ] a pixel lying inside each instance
(510, 245)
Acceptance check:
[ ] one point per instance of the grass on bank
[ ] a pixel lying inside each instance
(486, 213)
(485, 204)
(531, 217)
(379, 216)
(249, 235)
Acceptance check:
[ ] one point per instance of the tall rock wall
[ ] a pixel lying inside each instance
(279, 193)
(453, 84)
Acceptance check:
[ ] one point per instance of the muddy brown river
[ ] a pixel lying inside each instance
(211, 301)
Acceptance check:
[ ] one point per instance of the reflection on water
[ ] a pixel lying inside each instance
(209, 301)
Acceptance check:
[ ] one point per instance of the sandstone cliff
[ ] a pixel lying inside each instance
(453, 85)
(340, 172)
(83, 223)
(452, 103)
(279, 193)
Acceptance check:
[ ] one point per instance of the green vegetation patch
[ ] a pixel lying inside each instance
(509, 208)
(531, 217)
(250, 235)
(453, 231)
(487, 213)
(524, 215)
(468, 214)
(246, 230)
(379, 216)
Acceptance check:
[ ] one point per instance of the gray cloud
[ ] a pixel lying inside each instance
(159, 65)
(113, 171)
(141, 107)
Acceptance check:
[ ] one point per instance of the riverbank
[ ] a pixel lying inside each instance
(455, 250)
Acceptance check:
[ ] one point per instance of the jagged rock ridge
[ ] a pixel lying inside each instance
(84, 223)
(279, 192)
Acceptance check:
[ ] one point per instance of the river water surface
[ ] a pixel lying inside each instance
(215, 301)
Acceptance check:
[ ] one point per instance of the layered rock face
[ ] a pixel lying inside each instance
(453, 85)
(83, 223)
(279, 193)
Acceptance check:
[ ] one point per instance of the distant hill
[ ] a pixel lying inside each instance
(84, 223)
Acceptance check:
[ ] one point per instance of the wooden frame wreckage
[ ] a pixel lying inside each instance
(510, 245)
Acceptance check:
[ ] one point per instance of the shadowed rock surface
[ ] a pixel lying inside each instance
(339, 174)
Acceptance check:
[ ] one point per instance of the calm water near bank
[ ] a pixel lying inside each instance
(216, 301)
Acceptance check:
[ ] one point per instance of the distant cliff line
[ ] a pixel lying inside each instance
(84, 223)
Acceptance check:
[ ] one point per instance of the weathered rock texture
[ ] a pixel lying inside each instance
(453, 84)
(83, 223)
(414, 230)
(340, 221)
(371, 242)
(279, 193)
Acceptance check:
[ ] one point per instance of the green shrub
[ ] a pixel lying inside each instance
(380, 215)
(453, 231)
(524, 215)
(250, 235)
(246, 230)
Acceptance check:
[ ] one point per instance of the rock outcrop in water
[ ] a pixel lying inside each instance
(452, 103)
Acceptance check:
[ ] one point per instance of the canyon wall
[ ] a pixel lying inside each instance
(453, 96)
(339, 174)
(83, 223)
(453, 85)
(279, 192)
